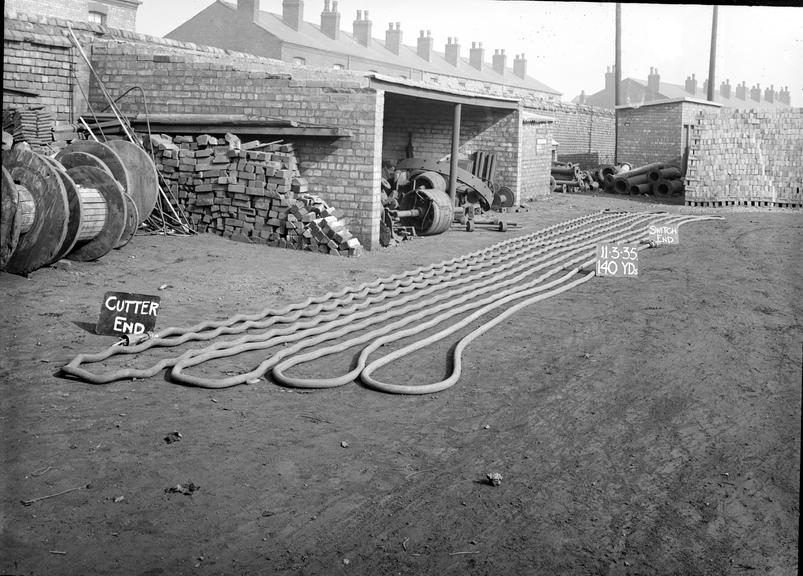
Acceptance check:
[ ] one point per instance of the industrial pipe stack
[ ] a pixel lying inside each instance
(568, 175)
(658, 178)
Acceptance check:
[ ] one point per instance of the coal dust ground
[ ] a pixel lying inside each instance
(648, 425)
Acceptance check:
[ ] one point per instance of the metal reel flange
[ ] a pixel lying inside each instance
(144, 187)
(40, 241)
(115, 214)
(77, 158)
(9, 223)
(131, 221)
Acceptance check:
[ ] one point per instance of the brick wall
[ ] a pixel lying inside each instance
(536, 159)
(37, 63)
(66, 9)
(655, 132)
(344, 172)
(430, 123)
(747, 157)
(118, 15)
(582, 131)
(650, 134)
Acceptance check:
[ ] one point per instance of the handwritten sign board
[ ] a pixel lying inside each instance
(664, 234)
(125, 313)
(617, 260)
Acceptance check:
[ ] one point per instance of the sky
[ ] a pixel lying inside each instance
(568, 45)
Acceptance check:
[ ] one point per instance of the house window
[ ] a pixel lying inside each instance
(97, 17)
(299, 60)
(339, 67)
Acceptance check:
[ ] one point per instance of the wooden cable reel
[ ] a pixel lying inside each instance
(50, 213)
(128, 164)
(42, 209)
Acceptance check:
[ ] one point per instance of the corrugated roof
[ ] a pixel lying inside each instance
(310, 35)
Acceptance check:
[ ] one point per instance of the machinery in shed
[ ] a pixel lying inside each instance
(417, 200)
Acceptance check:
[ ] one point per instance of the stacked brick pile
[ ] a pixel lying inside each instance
(746, 157)
(250, 192)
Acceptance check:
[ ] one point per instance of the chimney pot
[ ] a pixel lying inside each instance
(498, 62)
(520, 66)
(452, 52)
(393, 38)
(293, 13)
(362, 29)
(476, 55)
(425, 46)
(330, 21)
(248, 9)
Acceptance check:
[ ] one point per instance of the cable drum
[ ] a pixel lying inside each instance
(434, 180)
(435, 211)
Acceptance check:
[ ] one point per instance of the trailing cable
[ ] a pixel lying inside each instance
(392, 308)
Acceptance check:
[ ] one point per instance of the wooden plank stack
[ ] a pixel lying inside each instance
(250, 192)
(746, 158)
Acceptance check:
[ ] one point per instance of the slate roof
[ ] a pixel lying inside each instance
(310, 35)
(635, 92)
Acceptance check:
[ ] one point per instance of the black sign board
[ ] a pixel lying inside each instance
(125, 313)
(664, 234)
(617, 260)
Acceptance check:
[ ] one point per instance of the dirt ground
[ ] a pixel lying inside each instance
(641, 426)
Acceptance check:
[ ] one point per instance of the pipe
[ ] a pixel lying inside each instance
(622, 185)
(639, 189)
(666, 188)
(668, 173)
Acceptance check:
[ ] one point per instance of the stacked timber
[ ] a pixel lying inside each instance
(250, 192)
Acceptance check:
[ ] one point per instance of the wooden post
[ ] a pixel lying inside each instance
(455, 151)
(713, 59)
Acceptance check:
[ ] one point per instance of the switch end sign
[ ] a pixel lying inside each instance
(619, 260)
(664, 235)
(124, 313)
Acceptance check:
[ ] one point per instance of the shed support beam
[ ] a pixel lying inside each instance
(458, 109)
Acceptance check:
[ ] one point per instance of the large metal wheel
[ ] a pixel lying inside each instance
(434, 208)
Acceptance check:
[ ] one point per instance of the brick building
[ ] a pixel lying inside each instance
(287, 36)
(659, 131)
(343, 123)
(636, 92)
(114, 13)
